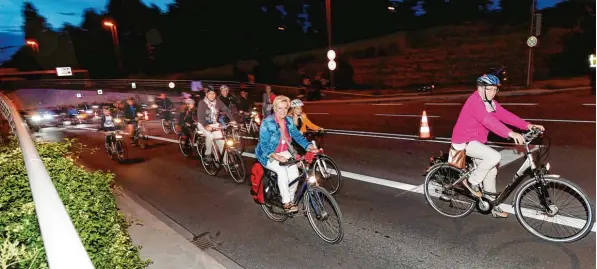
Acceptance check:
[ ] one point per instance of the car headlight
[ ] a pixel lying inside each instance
(36, 118)
(47, 117)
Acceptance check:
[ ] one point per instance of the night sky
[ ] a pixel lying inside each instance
(59, 12)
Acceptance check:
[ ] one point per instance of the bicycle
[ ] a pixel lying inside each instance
(539, 182)
(230, 158)
(196, 140)
(169, 125)
(115, 146)
(330, 175)
(139, 135)
(252, 124)
(313, 202)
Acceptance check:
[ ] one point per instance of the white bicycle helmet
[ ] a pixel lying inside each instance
(224, 87)
(296, 103)
(189, 101)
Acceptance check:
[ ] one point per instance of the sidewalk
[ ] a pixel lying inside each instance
(163, 241)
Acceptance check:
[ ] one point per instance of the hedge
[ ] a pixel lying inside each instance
(88, 198)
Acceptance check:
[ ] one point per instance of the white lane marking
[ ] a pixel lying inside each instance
(588, 104)
(390, 137)
(518, 104)
(442, 104)
(318, 113)
(402, 186)
(388, 104)
(399, 115)
(570, 121)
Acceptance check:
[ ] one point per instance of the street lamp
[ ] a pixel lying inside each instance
(114, 31)
(33, 44)
(328, 20)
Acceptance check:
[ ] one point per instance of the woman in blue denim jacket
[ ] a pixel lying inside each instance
(275, 135)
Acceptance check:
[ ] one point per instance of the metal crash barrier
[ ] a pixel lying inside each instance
(63, 246)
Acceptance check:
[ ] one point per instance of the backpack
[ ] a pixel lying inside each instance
(257, 183)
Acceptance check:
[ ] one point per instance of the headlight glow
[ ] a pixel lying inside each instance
(117, 120)
(548, 166)
(312, 179)
(118, 136)
(154, 106)
(89, 111)
(36, 118)
(254, 113)
(95, 107)
(229, 142)
(139, 114)
(257, 120)
(47, 116)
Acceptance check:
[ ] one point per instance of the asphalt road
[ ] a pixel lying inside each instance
(385, 227)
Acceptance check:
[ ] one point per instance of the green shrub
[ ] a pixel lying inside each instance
(89, 201)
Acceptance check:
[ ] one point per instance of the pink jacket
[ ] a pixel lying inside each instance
(474, 122)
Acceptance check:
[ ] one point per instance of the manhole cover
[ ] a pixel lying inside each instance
(205, 240)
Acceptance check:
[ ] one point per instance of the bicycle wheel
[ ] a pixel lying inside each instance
(184, 149)
(274, 212)
(254, 130)
(457, 204)
(236, 166)
(578, 219)
(210, 167)
(316, 199)
(175, 127)
(166, 127)
(121, 152)
(330, 176)
(142, 137)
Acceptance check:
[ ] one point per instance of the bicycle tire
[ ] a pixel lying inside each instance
(243, 176)
(584, 231)
(189, 148)
(428, 197)
(202, 157)
(173, 125)
(336, 209)
(121, 154)
(165, 128)
(338, 175)
(282, 217)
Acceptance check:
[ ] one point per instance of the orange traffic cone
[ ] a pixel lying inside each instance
(424, 131)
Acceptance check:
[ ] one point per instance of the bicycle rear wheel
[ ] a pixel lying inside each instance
(121, 152)
(570, 210)
(321, 206)
(185, 148)
(448, 202)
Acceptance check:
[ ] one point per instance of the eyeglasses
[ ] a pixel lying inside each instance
(496, 89)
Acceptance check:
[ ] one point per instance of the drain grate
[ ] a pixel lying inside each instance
(205, 241)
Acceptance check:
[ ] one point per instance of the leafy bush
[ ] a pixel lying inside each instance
(89, 201)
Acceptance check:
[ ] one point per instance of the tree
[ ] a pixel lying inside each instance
(34, 24)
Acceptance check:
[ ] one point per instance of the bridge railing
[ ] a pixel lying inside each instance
(63, 246)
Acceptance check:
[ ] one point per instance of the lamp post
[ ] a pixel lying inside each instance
(33, 44)
(328, 20)
(114, 31)
(531, 34)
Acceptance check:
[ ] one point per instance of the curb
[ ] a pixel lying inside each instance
(217, 256)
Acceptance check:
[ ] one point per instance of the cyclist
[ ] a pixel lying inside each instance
(479, 115)
(130, 114)
(107, 124)
(300, 119)
(274, 147)
(208, 111)
(165, 105)
(187, 119)
(268, 99)
(228, 100)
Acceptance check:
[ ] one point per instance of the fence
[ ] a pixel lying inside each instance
(63, 246)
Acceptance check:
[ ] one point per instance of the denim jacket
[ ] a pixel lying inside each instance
(269, 138)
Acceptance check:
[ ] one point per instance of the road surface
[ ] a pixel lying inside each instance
(386, 226)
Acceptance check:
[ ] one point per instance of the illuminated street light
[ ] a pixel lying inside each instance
(33, 44)
(331, 55)
(171, 85)
(281, 28)
(114, 31)
(391, 9)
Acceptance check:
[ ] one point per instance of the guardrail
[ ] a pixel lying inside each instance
(63, 246)
(145, 85)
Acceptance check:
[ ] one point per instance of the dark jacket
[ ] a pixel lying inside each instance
(129, 114)
(203, 112)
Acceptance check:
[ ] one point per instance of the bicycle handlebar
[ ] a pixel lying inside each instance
(532, 134)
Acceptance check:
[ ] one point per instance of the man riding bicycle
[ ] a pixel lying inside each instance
(130, 114)
(107, 124)
(275, 136)
(208, 111)
(479, 115)
(187, 119)
(164, 105)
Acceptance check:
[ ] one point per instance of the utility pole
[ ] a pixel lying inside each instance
(531, 34)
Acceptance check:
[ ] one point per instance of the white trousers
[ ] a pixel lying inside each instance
(486, 160)
(286, 174)
(209, 138)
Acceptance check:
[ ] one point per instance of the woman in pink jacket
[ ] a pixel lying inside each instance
(479, 115)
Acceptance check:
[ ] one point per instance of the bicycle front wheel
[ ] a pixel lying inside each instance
(570, 212)
(166, 127)
(328, 174)
(236, 166)
(323, 208)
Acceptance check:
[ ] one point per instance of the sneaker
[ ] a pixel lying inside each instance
(290, 208)
(497, 212)
(474, 189)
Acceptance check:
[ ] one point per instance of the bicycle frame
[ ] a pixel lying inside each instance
(308, 180)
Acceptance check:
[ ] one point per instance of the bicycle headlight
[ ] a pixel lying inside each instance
(257, 120)
(230, 142)
(139, 114)
(117, 120)
(312, 179)
(547, 166)
(154, 106)
(35, 118)
(253, 113)
(118, 136)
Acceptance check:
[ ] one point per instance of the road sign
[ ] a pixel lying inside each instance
(100, 92)
(532, 41)
(332, 65)
(78, 95)
(64, 71)
(133, 85)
